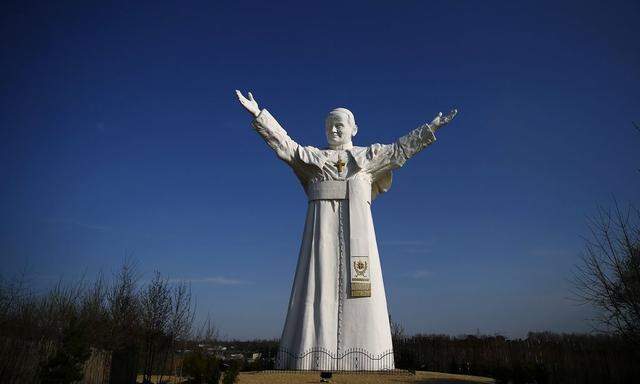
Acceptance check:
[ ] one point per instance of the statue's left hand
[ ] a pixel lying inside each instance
(440, 121)
(250, 104)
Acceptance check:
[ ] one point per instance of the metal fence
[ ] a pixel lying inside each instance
(322, 359)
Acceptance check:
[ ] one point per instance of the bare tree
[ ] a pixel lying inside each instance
(180, 322)
(155, 315)
(207, 333)
(166, 318)
(123, 316)
(608, 276)
(397, 330)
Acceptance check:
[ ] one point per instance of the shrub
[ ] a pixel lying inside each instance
(231, 375)
(201, 368)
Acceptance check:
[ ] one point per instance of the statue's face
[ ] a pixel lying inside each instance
(338, 129)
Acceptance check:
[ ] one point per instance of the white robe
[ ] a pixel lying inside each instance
(325, 329)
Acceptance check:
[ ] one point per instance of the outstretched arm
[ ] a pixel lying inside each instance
(418, 139)
(269, 128)
(384, 158)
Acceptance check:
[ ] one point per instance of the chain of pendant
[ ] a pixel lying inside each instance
(341, 288)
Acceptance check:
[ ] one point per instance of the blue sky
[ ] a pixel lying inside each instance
(120, 134)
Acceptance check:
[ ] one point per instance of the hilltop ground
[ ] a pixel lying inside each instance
(401, 377)
(359, 378)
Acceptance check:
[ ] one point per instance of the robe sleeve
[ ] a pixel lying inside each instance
(301, 158)
(386, 157)
(275, 136)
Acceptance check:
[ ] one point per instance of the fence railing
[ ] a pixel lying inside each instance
(322, 359)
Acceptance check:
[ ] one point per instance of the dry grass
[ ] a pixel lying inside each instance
(358, 378)
(165, 379)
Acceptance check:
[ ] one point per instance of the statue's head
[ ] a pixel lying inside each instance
(340, 127)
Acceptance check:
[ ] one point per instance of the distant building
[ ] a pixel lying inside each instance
(254, 357)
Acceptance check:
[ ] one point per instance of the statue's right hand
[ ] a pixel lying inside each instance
(440, 121)
(249, 104)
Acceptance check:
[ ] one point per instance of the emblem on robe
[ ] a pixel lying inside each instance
(360, 267)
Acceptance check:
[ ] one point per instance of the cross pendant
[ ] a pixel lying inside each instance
(340, 164)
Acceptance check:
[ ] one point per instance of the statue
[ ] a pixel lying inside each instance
(337, 317)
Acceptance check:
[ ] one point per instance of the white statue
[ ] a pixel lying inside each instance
(337, 317)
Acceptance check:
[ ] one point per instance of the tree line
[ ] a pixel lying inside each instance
(542, 358)
(49, 337)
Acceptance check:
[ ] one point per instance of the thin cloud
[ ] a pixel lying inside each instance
(217, 280)
(421, 274)
(417, 250)
(102, 228)
(550, 253)
(94, 227)
(404, 242)
(418, 246)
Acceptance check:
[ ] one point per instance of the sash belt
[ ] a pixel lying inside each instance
(328, 190)
(358, 192)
